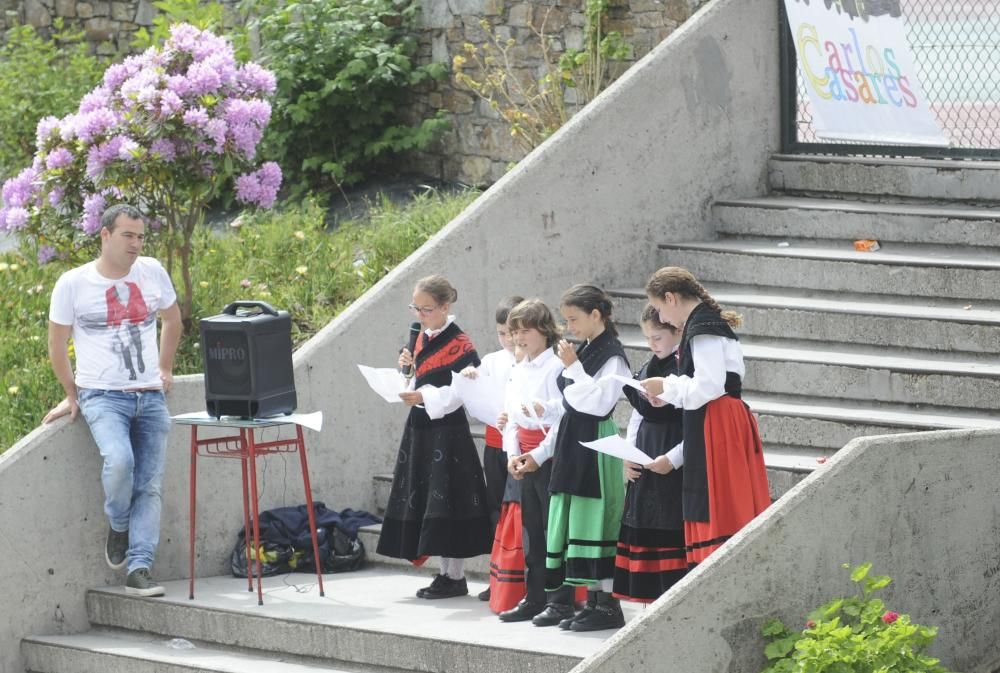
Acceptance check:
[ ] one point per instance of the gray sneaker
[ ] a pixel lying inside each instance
(116, 548)
(139, 583)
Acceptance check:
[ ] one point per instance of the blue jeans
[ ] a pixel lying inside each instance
(130, 429)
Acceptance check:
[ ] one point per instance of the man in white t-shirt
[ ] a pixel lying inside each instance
(109, 308)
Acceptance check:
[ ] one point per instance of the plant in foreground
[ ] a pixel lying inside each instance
(853, 635)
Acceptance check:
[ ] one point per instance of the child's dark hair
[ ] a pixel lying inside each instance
(681, 281)
(588, 298)
(439, 287)
(504, 307)
(533, 313)
(652, 316)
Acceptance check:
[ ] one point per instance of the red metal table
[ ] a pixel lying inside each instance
(243, 444)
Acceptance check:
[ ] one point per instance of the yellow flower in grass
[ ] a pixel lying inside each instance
(301, 235)
(15, 267)
(301, 270)
(203, 283)
(4, 266)
(13, 390)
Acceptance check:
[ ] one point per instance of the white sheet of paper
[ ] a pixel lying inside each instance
(482, 396)
(313, 421)
(626, 381)
(617, 446)
(388, 383)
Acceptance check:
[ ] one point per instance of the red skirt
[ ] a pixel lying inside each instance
(737, 479)
(507, 585)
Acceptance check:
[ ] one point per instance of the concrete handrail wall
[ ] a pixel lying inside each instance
(692, 122)
(921, 507)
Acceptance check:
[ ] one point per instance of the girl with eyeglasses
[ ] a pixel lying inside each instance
(437, 503)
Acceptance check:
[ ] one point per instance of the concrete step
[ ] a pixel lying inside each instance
(841, 371)
(367, 618)
(113, 651)
(886, 177)
(963, 274)
(805, 217)
(877, 320)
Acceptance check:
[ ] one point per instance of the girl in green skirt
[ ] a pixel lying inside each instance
(587, 487)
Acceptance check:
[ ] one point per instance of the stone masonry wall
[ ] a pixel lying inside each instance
(478, 149)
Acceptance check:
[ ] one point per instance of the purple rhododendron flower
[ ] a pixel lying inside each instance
(170, 104)
(93, 206)
(94, 124)
(20, 190)
(56, 195)
(16, 218)
(95, 100)
(127, 148)
(46, 129)
(46, 254)
(164, 148)
(260, 187)
(196, 117)
(203, 79)
(58, 158)
(216, 130)
(255, 79)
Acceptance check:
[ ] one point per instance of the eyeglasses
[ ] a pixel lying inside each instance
(423, 310)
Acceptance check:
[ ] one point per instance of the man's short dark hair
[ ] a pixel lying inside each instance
(108, 219)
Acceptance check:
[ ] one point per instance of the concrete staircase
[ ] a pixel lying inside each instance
(840, 343)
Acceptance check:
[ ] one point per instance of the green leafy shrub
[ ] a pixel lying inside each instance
(39, 77)
(285, 257)
(202, 15)
(853, 635)
(345, 69)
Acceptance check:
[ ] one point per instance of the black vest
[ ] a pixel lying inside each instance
(574, 467)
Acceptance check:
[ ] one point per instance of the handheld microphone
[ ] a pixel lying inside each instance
(414, 333)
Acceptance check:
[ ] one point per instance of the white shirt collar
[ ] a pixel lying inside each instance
(431, 333)
(540, 359)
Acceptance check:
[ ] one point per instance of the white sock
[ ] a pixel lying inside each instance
(607, 585)
(456, 568)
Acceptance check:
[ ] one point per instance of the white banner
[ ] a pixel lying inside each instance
(859, 75)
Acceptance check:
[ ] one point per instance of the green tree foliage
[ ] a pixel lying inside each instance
(39, 77)
(345, 69)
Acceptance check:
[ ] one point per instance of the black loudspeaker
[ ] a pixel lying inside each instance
(248, 361)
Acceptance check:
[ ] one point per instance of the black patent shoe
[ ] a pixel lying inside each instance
(446, 588)
(553, 614)
(607, 614)
(522, 612)
(484, 595)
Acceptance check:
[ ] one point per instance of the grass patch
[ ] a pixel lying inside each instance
(286, 258)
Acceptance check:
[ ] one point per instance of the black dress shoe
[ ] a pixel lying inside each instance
(552, 614)
(448, 588)
(567, 624)
(435, 584)
(484, 595)
(607, 614)
(522, 612)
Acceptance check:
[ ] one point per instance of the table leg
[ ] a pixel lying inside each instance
(309, 507)
(191, 507)
(246, 507)
(251, 453)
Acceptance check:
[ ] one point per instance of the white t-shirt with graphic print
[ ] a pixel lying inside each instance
(114, 323)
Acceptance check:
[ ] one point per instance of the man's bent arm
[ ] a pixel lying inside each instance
(59, 356)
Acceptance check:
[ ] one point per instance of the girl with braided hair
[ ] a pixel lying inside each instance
(724, 479)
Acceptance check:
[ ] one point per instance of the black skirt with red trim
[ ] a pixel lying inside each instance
(648, 563)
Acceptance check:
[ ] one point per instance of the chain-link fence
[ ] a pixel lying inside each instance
(956, 50)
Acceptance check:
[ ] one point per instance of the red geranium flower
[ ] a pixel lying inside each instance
(890, 616)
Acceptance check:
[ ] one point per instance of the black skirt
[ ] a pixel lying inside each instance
(437, 504)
